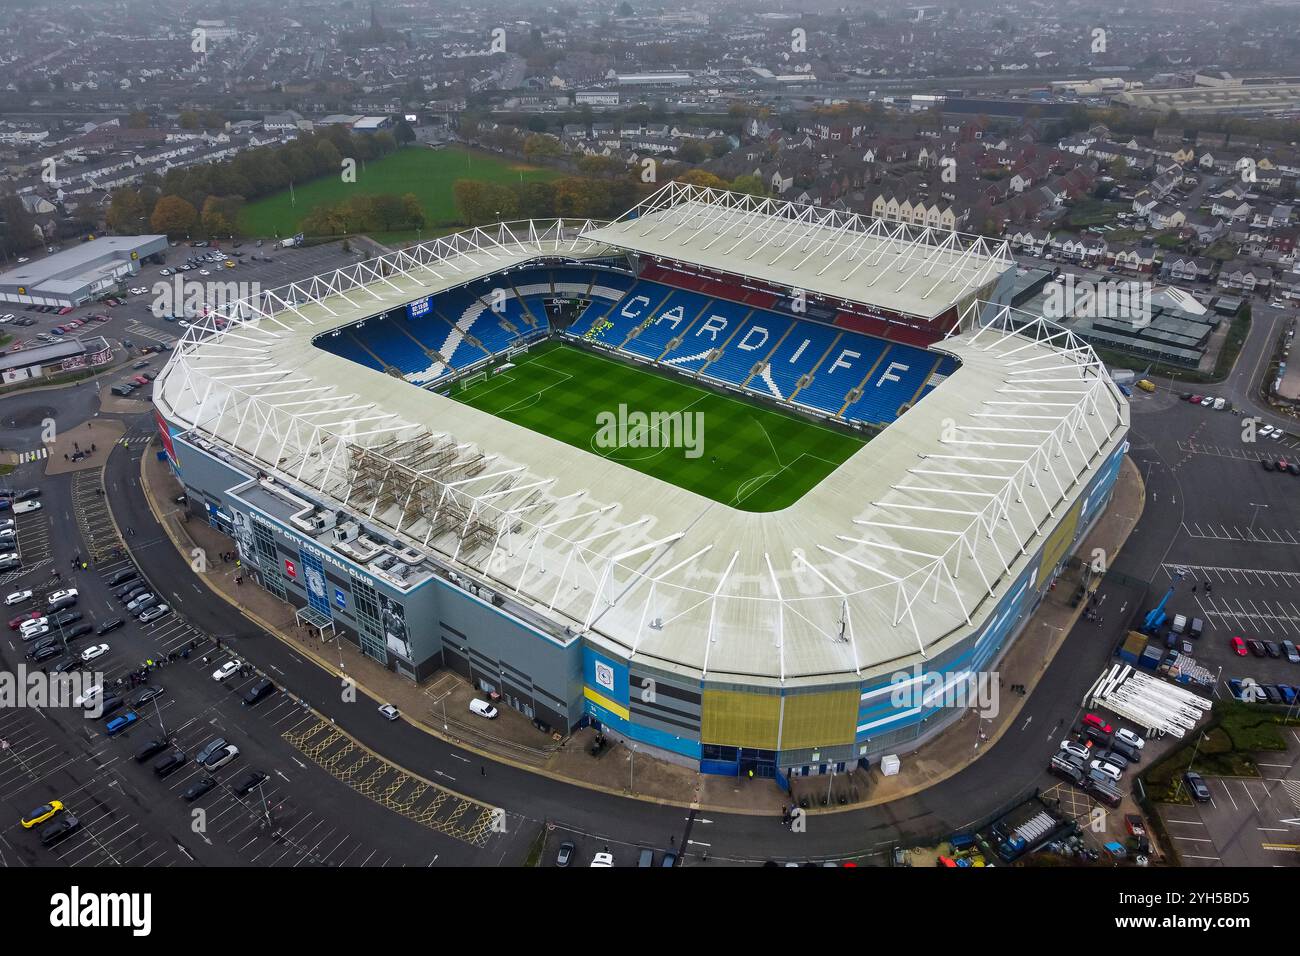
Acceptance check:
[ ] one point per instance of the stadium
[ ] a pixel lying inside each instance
(892, 467)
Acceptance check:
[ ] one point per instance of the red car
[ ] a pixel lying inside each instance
(1239, 646)
(1092, 720)
(26, 616)
(66, 310)
(1196, 399)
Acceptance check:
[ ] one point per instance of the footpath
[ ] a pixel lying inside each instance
(440, 705)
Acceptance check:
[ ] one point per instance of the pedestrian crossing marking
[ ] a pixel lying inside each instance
(27, 456)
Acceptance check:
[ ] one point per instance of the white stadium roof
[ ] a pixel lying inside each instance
(890, 265)
(890, 559)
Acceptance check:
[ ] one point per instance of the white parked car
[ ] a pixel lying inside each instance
(221, 757)
(91, 693)
(1108, 769)
(17, 597)
(204, 272)
(90, 653)
(1130, 738)
(389, 711)
(1265, 431)
(226, 669)
(482, 708)
(57, 596)
(1075, 749)
(26, 627)
(26, 507)
(603, 859)
(1207, 401)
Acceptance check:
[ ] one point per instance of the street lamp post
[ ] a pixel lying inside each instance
(1255, 515)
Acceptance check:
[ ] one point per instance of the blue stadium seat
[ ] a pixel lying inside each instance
(896, 381)
(843, 368)
(797, 355)
(759, 336)
(661, 325)
(629, 312)
(345, 345)
(718, 323)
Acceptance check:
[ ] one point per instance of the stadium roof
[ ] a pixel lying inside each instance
(888, 265)
(898, 554)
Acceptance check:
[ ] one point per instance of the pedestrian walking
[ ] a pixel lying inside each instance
(482, 770)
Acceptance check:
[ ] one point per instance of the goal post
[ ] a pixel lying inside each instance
(469, 381)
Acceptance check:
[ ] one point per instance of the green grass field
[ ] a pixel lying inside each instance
(752, 458)
(429, 173)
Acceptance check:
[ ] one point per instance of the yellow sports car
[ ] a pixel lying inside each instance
(41, 814)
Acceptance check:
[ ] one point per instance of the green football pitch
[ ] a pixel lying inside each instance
(749, 457)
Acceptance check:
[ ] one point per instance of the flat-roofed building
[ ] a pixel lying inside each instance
(80, 273)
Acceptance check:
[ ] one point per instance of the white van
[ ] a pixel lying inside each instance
(1219, 403)
(25, 507)
(482, 708)
(1180, 623)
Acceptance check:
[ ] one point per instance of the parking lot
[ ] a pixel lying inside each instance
(134, 321)
(1249, 821)
(33, 546)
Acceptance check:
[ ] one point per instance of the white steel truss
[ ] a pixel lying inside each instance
(823, 248)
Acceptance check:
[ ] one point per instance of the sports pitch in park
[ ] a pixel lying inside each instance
(750, 457)
(429, 173)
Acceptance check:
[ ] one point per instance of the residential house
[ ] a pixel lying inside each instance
(1245, 276)
(1138, 258)
(1187, 268)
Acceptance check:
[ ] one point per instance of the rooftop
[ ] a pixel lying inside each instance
(887, 265)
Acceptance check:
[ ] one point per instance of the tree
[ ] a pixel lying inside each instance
(188, 120)
(17, 226)
(600, 166)
(538, 147)
(750, 184)
(478, 203)
(700, 177)
(412, 211)
(128, 212)
(173, 216)
(137, 120)
(692, 151)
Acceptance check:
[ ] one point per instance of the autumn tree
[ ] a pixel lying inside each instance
(173, 216)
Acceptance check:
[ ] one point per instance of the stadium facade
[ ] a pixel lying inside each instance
(312, 426)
